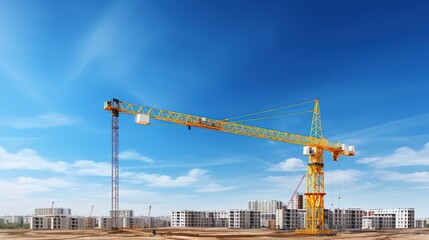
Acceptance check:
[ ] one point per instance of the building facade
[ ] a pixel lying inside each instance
(404, 217)
(421, 222)
(297, 202)
(378, 222)
(13, 219)
(55, 218)
(267, 208)
(191, 218)
(244, 219)
(123, 213)
(347, 219)
(288, 219)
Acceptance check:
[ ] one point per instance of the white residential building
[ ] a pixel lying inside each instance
(297, 202)
(13, 219)
(267, 208)
(191, 218)
(56, 218)
(347, 218)
(40, 223)
(404, 217)
(123, 213)
(421, 222)
(103, 222)
(40, 212)
(378, 222)
(288, 219)
(160, 222)
(244, 218)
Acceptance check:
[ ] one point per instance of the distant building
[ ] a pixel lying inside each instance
(90, 222)
(297, 202)
(267, 208)
(13, 219)
(55, 218)
(421, 222)
(123, 213)
(156, 222)
(345, 219)
(288, 219)
(40, 212)
(404, 217)
(37, 223)
(103, 222)
(244, 219)
(191, 218)
(372, 222)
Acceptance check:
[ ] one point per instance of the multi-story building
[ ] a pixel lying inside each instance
(103, 222)
(40, 223)
(90, 222)
(56, 218)
(347, 218)
(267, 208)
(156, 222)
(244, 218)
(297, 202)
(13, 219)
(421, 222)
(220, 218)
(123, 213)
(190, 218)
(378, 222)
(287, 219)
(52, 212)
(404, 217)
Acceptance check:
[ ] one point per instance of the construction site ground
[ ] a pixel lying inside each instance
(206, 234)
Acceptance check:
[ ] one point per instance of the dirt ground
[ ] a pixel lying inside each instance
(205, 234)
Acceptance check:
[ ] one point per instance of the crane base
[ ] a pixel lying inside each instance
(315, 232)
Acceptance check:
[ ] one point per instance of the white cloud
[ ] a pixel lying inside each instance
(49, 120)
(420, 177)
(213, 187)
(285, 182)
(133, 155)
(23, 186)
(193, 176)
(290, 164)
(403, 156)
(28, 159)
(343, 176)
(91, 168)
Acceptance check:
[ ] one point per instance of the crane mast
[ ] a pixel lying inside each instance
(314, 147)
(115, 165)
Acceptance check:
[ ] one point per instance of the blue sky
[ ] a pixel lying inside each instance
(366, 61)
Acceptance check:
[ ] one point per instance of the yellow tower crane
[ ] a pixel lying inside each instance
(314, 146)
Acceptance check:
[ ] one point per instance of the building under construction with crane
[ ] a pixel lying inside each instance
(314, 146)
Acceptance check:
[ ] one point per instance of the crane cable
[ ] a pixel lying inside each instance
(332, 184)
(339, 184)
(276, 116)
(252, 114)
(270, 110)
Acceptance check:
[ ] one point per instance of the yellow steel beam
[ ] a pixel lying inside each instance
(230, 127)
